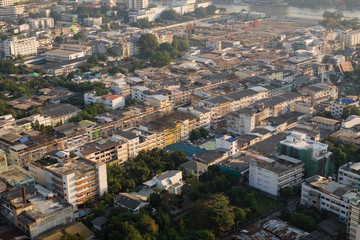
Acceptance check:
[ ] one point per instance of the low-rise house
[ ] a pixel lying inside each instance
(326, 123)
(132, 202)
(169, 180)
(194, 167)
(111, 101)
(320, 92)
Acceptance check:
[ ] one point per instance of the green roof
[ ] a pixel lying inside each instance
(86, 123)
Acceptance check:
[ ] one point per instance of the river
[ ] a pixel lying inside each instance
(291, 12)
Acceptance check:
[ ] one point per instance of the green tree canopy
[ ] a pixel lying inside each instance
(160, 58)
(148, 43)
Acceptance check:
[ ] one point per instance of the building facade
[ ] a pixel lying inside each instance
(20, 46)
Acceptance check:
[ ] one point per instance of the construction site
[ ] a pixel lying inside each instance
(247, 32)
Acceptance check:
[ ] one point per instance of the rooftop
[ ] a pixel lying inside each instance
(61, 109)
(16, 176)
(80, 167)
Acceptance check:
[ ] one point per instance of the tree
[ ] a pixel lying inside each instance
(203, 132)
(79, 36)
(144, 23)
(303, 221)
(217, 213)
(203, 235)
(165, 46)
(59, 40)
(148, 43)
(21, 21)
(195, 135)
(200, 12)
(151, 5)
(240, 216)
(170, 15)
(160, 58)
(285, 214)
(211, 9)
(350, 110)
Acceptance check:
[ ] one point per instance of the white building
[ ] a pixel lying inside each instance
(59, 55)
(353, 219)
(20, 46)
(41, 23)
(89, 22)
(120, 87)
(11, 11)
(4, 3)
(350, 38)
(74, 180)
(139, 93)
(169, 180)
(132, 139)
(314, 154)
(326, 194)
(41, 119)
(137, 4)
(242, 121)
(337, 107)
(349, 175)
(111, 101)
(227, 142)
(270, 175)
(203, 114)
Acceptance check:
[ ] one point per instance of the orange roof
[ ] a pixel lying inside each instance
(346, 67)
(113, 97)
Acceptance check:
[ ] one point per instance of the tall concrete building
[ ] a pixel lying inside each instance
(4, 3)
(75, 180)
(20, 46)
(350, 38)
(137, 4)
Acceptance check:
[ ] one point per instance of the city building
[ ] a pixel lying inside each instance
(314, 155)
(325, 194)
(320, 92)
(132, 139)
(353, 218)
(227, 143)
(20, 46)
(120, 87)
(91, 21)
(110, 151)
(41, 23)
(11, 11)
(4, 3)
(15, 176)
(59, 55)
(169, 180)
(34, 209)
(75, 180)
(350, 38)
(349, 175)
(60, 113)
(272, 174)
(137, 4)
(337, 107)
(111, 101)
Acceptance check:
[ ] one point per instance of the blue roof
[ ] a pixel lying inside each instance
(345, 101)
(231, 139)
(24, 139)
(187, 149)
(219, 136)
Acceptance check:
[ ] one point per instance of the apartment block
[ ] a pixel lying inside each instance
(323, 193)
(20, 46)
(41, 23)
(314, 154)
(75, 180)
(337, 107)
(350, 38)
(11, 11)
(353, 219)
(120, 87)
(320, 92)
(227, 143)
(89, 22)
(4, 3)
(137, 4)
(110, 151)
(34, 209)
(349, 175)
(272, 174)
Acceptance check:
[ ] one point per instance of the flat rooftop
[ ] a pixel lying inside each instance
(16, 176)
(81, 167)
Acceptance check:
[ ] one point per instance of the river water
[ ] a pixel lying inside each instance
(295, 12)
